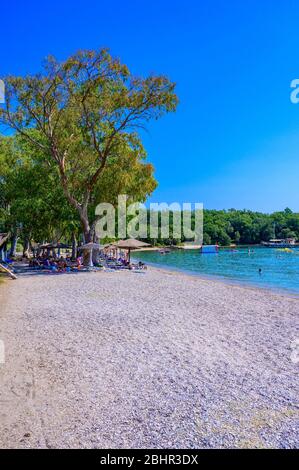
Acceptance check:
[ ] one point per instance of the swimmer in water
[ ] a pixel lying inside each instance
(260, 271)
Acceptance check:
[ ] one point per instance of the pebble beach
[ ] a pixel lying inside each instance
(146, 360)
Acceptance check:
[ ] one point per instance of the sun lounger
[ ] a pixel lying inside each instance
(7, 271)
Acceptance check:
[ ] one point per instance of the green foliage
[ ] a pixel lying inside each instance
(32, 202)
(86, 112)
(245, 227)
(248, 227)
(34, 206)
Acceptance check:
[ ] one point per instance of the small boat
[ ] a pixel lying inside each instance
(207, 249)
(164, 251)
(280, 243)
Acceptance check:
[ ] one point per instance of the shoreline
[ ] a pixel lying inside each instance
(289, 293)
(223, 280)
(231, 282)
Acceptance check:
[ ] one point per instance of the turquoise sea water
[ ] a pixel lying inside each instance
(280, 270)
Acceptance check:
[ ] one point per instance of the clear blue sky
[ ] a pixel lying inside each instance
(234, 141)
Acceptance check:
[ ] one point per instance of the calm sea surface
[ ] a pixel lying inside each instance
(280, 270)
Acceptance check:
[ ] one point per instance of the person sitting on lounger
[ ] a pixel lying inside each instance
(61, 264)
(46, 263)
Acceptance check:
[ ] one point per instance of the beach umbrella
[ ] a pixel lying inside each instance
(61, 245)
(108, 245)
(45, 246)
(110, 248)
(53, 246)
(90, 247)
(131, 244)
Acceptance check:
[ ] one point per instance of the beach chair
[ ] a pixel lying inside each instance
(8, 271)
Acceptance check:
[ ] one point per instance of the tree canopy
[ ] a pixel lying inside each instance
(245, 227)
(87, 113)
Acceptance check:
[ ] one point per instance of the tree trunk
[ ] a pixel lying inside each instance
(3, 252)
(95, 253)
(86, 257)
(74, 246)
(13, 249)
(26, 247)
(88, 235)
(82, 211)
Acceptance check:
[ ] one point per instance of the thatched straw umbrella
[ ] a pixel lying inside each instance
(110, 249)
(90, 247)
(54, 246)
(131, 244)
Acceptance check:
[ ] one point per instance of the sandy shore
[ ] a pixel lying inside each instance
(155, 360)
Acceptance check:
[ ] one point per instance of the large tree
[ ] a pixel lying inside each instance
(34, 206)
(32, 201)
(8, 161)
(88, 111)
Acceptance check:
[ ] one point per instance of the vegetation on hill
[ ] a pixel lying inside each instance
(246, 227)
(79, 120)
